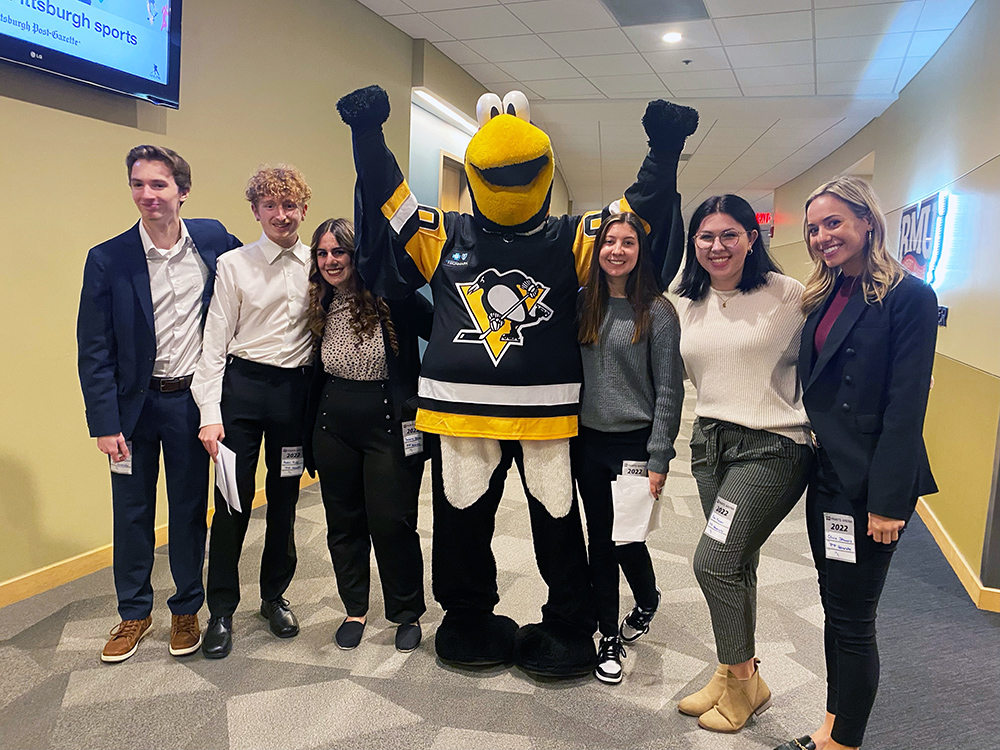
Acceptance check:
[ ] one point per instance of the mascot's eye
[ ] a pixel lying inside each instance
(515, 103)
(488, 107)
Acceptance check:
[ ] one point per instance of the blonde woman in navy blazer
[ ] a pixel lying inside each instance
(865, 361)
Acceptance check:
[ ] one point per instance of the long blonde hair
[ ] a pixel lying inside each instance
(881, 271)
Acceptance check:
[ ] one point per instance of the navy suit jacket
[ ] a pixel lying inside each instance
(866, 394)
(115, 334)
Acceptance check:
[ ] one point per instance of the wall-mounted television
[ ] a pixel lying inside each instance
(132, 47)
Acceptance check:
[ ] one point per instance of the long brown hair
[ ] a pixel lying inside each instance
(640, 287)
(366, 310)
(881, 272)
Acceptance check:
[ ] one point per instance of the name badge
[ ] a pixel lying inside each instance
(124, 466)
(413, 439)
(292, 462)
(721, 519)
(839, 533)
(634, 468)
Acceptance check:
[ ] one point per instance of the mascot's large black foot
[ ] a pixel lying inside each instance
(553, 649)
(470, 638)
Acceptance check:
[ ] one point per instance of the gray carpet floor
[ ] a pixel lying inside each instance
(940, 657)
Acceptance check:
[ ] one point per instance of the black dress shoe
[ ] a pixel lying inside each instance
(280, 617)
(408, 637)
(802, 743)
(218, 640)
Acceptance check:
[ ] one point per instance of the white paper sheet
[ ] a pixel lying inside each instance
(635, 514)
(225, 478)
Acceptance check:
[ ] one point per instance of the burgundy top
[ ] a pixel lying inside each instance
(847, 287)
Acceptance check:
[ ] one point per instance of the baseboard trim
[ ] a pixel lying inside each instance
(64, 571)
(982, 596)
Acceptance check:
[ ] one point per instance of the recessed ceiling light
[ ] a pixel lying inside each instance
(672, 37)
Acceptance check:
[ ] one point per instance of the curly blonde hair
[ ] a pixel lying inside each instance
(881, 270)
(279, 180)
(367, 311)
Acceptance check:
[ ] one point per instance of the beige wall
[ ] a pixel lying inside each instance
(259, 83)
(943, 133)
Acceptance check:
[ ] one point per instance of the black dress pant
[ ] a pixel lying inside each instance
(370, 492)
(260, 404)
(170, 421)
(597, 460)
(464, 571)
(850, 593)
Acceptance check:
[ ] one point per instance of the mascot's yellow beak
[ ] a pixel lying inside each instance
(509, 164)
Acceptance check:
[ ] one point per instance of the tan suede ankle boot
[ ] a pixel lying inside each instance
(739, 700)
(698, 703)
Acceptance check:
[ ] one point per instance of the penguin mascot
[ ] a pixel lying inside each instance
(500, 379)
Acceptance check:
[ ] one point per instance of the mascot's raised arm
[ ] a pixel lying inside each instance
(500, 380)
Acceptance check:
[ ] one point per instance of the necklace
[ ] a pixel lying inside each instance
(725, 296)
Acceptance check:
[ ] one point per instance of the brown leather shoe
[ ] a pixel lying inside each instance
(185, 634)
(125, 637)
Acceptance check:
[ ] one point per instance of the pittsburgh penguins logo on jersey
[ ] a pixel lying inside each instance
(501, 306)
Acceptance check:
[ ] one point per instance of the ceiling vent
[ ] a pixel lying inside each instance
(648, 12)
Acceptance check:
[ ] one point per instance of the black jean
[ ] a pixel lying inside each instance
(370, 491)
(260, 404)
(850, 593)
(597, 459)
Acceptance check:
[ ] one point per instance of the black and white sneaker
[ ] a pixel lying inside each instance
(636, 623)
(610, 653)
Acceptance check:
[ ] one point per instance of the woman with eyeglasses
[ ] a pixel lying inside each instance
(750, 445)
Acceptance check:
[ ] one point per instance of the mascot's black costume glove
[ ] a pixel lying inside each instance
(500, 379)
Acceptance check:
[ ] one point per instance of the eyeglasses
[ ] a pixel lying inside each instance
(729, 238)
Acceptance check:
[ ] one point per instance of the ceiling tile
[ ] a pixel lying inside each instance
(942, 14)
(856, 88)
(427, 6)
(694, 34)
(567, 88)
(775, 76)
(589, 42)
(539, 69)
(792, 89)
(487, 73)
(476, 23)
(911, 66)
(867, 47)
(563, 15)
(778, 53)
(926, 43)
(417, 26)
(672, 61)
(458, 52)
(724, 8)
(611, 65)
(887, 18)
(712, 93)
(387, 7)
(859, 70)
(508, 48)
(694, 80)
(845, 3)
(772, 27)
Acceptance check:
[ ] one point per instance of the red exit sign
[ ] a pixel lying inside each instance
(764, 218)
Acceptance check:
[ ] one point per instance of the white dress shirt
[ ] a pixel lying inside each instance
(177, 278)
(258, 312)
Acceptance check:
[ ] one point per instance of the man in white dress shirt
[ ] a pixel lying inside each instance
(251, 385)
(144, 298)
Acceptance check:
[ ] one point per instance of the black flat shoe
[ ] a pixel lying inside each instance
(408, 637)
(280, 618)
(802, 743)
(349, 634)
(218, 640)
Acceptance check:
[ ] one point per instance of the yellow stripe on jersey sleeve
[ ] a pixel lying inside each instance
(583, 243)
(622, 206)
(427, 243)
(498, 428)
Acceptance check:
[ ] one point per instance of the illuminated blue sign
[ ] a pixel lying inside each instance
(921, 236)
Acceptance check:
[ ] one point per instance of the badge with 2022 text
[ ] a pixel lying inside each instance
(838, 531)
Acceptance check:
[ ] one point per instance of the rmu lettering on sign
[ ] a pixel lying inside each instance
(921, 235)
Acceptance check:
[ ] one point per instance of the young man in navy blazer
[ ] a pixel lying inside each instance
(139, 333)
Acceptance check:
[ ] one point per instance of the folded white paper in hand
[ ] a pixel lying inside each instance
(636, 513)
(225, 478)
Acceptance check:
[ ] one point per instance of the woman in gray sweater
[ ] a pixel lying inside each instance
(631, 409)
